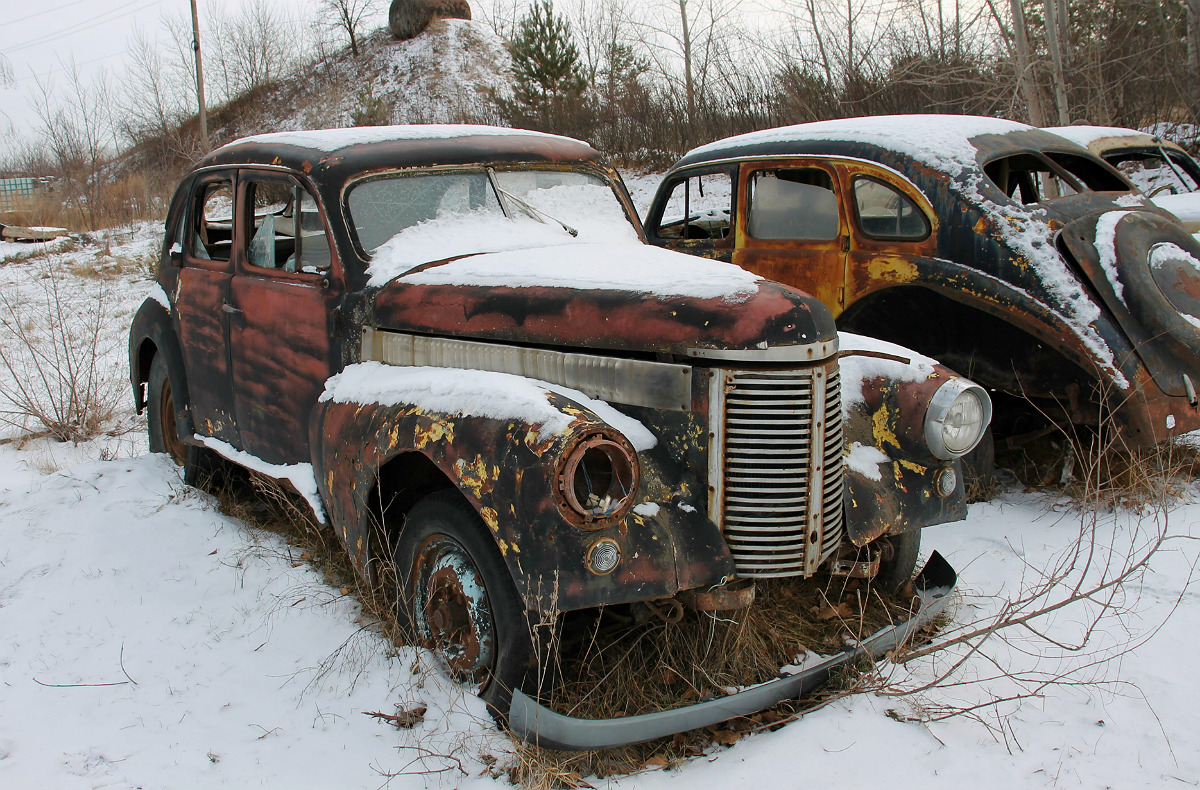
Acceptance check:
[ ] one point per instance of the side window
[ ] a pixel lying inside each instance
(885, 212)
(698, 208)
(211, 228)
(1029, 179)
(793, 203)
(286, 229)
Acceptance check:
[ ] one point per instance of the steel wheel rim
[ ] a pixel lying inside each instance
(170, 435)
(452, 609)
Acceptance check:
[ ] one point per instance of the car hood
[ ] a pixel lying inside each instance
(1185, 206)
(627, 297)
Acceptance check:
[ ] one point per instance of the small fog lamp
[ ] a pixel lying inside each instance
(603, 556)
(945, 481)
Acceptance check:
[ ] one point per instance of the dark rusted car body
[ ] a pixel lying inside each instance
(1010, 254)
(352, 388)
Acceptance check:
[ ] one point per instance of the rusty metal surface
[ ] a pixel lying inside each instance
(613, 320)
(507, 474)
(968, 271)
(891, 418)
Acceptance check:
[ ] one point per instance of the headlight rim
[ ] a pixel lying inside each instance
(939, 407)
(568, 463)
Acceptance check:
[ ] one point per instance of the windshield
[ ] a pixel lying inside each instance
(1151, 172)
(384, 208)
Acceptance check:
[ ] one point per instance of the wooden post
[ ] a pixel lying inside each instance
(199, 79)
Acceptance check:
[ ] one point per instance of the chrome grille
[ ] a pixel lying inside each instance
(781, 468)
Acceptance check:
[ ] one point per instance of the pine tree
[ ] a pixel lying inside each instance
(549, 78)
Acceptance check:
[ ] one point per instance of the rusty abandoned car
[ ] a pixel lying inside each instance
(1165, 172)
(456, 344)
(1005, 252)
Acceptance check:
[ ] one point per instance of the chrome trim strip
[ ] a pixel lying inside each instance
(816, 475)
(716, 447)
(535, 723)
(807, 352)
(655, 385)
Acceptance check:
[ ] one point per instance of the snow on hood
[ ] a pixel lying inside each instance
(331, 140)
(1186, 206)
(941, 141)
(857, 368)
(637, 267)
(476, 393)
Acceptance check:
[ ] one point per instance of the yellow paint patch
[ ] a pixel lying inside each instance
(892, 268)
(491, 518)
(882, 430)
(474, 475)
(436, 432)
(912, 467)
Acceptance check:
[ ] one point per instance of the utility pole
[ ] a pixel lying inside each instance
(199, 79)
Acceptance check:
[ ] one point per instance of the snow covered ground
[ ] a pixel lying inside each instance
(147, 640)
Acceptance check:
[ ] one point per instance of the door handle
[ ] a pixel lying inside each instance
(228, 308)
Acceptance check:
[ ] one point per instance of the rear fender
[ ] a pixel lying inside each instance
(151, 333)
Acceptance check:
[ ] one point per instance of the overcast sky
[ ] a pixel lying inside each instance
(37, 37)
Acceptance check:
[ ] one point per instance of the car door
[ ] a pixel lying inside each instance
(891, 223)
(792, 226)
(203, 252)
(283, 304)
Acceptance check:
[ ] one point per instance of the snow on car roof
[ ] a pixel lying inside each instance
(1086, 135)
(941, 141)
(331, 140)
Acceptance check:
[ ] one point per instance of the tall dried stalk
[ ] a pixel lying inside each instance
(57, 369)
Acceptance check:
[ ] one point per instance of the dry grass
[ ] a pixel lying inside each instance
(625, 661)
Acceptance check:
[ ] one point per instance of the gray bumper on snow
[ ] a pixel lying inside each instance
(532, 722)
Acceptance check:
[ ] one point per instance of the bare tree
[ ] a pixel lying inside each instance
(347, 16)
(1054, 28)
(78, 132)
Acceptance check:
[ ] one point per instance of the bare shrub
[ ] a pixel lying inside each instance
(60, 364)
(1069, 620)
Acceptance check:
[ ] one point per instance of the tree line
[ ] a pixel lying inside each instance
(646, 81)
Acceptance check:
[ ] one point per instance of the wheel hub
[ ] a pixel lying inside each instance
(457, 619)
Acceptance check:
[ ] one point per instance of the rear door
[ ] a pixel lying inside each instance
(791, 226)
(284, 298)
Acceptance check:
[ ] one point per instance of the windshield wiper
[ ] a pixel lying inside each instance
(526, 206)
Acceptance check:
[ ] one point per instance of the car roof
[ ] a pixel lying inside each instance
(356, 149)
(1105, 138)
(948, 143)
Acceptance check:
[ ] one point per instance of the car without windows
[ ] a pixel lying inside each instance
(1004, 251)
(456, 344)
(1163, 170)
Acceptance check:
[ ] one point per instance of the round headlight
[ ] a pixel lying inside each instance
(958, 414)
(597, 478)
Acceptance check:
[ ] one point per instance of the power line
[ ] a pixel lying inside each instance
(47, 11)
(32, 75)
(55, 35)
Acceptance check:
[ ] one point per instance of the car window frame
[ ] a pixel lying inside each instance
(191, 219)
(654, 218)
(808, 162)
(245, 210)
(858, 226)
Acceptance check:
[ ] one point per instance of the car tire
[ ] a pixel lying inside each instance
(979, 469)
(456, 597)
(162, 426)
(898, 571)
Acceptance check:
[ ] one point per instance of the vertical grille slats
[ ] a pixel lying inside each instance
(782, 433)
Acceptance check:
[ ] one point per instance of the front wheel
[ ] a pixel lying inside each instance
(457, 598)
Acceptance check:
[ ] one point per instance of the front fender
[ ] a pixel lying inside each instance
(890, 471)
(505, 467)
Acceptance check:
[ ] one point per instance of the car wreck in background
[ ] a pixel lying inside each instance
(456, 344)
(1006, 252)
(1163, 170)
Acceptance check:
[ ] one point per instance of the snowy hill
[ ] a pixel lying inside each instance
(448, 74)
